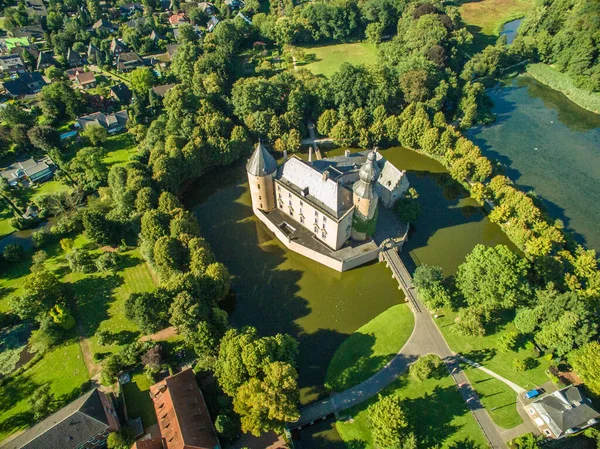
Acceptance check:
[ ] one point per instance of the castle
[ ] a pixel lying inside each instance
(325, 209)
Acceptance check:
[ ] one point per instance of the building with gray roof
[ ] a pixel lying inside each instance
(113, 123)
(84, 423)
(563, 412)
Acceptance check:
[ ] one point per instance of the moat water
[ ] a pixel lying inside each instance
(551, 146)
(280, 291)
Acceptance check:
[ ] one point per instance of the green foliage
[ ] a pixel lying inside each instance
(425, 367)
(586, 362)
(95, 134)
(507, 341)
(408, 208)
(81, 260)
(519, 365)
(123, 439)
(227, 427)
(527, 441)
(428, 281)
(107, 261)
(87, 168)
(388, 422)
(13, 252)
(40, 402)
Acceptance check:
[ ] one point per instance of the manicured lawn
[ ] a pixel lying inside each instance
(486, 17)
(436, 413)
(370, 348)
(119, 149)
(6, 215)
(485, 350)
(331, 57)
(497, 397)
(62, 368)
(138, 399)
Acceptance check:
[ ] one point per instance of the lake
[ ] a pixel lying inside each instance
(551, 146)
(510, 30)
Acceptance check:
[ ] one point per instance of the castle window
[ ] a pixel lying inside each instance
(258, 186)
(301, 204)
(290, 194)
(316, 214)
(301, 218)
(324, 219)
(261, 205)
(316, 229)
(324, 234)
(290, 203)
(291, 212)
(260, 197)
(316, 221)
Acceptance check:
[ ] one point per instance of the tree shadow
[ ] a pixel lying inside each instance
(125, 337)
(480, 355)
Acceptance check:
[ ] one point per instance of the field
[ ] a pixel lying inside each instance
(436, 412)
(484, 351)
(329, 58)
(119, 149)
(370, 348)
(485, 18)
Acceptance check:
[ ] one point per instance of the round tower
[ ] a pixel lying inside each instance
(261, 168)
(365, 199)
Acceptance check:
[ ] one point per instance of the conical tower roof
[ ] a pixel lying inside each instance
(365, 186)
(261, 163)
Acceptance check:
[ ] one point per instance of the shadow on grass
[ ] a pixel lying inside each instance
(480, 355)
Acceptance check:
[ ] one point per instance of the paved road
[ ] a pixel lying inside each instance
(425, 339)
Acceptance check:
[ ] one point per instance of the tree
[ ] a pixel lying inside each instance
(326, 122)
(388, 422)
(95, 134)
(97, 227)
(80, 260)
(59, 101)
(429, 283)
(47, 336)
(508, 341)
(66, 244)
(226, 427)
(40, 402)
(270, 403)
(123, 439)
(13, 252)
(107, 261)
(416, 86)
(586, 362)
(44, 290)
(45, 138)
(342, 134)
(142, 79)
(87, 168)
(148, 310)
(153, 359)
(187, 312)
(425, 367)
(493, 279)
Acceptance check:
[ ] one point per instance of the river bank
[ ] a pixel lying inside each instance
(563, 83)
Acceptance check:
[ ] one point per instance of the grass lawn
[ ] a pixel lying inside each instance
(484, 350)
(137, 398)
(331, 57)
(370, 348)
(485, 18)
(119, 149)
(435, 410)
(497, 397)
(62, 368)
(5, 216)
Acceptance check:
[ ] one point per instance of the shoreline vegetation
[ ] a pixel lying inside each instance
(563, 83)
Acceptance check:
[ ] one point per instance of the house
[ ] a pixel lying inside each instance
(196, 28)
(133, 23)
(33, 32)
(85, 422)
(178, 19)
(104, 26)
(129, 61)
(45, 59)
(172, 50)
(121, 93)
(117, 46)
(113, 123)
(11, 63)
(74, 58)
(86, 80)
(183, 418)
(26, 84)
(563, 412)
(207, 8)
(32, 212)
(29, 172)
(93, 53)
(234, 4)
(20, 50)
(161, 91)
(131, 8)
(155, 37)
(36, 8)
(72, 73)
(212, 23)
(244, 18)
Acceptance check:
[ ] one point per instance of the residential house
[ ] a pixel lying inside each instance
(117, 46)
(86, 80)
(207, 8)
(33, 32)
(178, 19)
(45, 59)
(563, 412)
(32, 50)
(31, 212)
(113, 123)
(172, 50)
(84, 423)
(212, 23)
(26, 84)
(133, 23)
(104, 26)
(129, 61)
(11, 63)
(36, 8)
(183, 418)
(131, 8)
(74, 58)
(234, 4)
(121, 93)
(161, 91)
(29, 172)
(93, 53)
(155, 37)
(244, 18)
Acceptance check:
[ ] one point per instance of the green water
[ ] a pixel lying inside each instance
(281, 291)
(550, 145)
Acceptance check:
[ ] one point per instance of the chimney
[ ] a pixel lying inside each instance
(347, 153)
(325, 175)
(309, 154)
(284, 155)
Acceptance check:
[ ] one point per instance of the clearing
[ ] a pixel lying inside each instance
(119, 149)
(370, 348)
(329, 58)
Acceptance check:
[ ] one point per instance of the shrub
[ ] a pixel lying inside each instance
(519, 365)
(508, 341)
(40, 238)
(425, 367)
(107, 261)
(81, 260)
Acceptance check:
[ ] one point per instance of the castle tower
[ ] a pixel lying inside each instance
(261, 168)
(365, 199)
